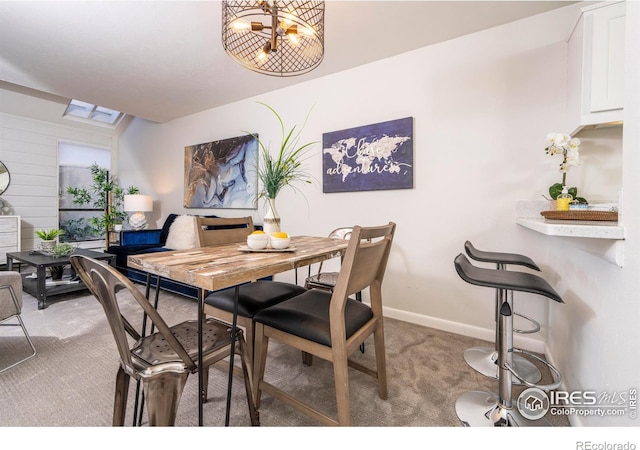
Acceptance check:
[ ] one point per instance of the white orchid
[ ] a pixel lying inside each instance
(568, 147)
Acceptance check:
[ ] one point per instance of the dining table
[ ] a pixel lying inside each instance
(230, 265)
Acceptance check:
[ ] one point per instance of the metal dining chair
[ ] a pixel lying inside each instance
(331, 325)
(162, 360)
(327, 280)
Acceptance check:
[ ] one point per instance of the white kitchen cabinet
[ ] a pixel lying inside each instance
(9, 236)
(596, 66)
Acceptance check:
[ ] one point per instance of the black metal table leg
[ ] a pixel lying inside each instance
(201, 296)
(41, 286)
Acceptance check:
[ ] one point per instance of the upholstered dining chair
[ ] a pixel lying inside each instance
(11, 307)
(252, 297)
(331, 325)
(162, 360)
(327, 279)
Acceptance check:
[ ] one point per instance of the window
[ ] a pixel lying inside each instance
(98, 115)
(74, 161)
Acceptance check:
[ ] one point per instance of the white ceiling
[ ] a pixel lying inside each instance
(162, 60)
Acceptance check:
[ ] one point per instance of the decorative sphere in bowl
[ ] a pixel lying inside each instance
(257, 241)
(280, 240)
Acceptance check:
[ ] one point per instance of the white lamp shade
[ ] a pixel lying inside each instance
(138, 203)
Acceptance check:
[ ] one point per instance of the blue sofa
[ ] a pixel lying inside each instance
(150, 241)
(147, 241)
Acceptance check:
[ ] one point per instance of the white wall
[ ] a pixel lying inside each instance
(594, 336)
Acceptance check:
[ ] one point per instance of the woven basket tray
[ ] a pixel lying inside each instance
(609, 216)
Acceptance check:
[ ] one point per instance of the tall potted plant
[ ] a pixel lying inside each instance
(105, 194)
(285, 169)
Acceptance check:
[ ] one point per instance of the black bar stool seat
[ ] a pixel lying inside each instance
(481, 358)
(511, 259)
(502, 279)
(479, 408)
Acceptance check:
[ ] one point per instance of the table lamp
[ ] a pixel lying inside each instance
(139, 204)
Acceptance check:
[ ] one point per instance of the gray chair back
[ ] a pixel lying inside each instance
(105, 282)
(223, 230)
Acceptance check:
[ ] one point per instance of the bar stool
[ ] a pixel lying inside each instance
(484, 359)
(480, 408)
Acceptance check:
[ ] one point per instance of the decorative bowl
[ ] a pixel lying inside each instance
(280, 243)
(257, 241)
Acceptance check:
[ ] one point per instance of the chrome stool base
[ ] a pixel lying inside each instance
(484, 360)
(482, 409)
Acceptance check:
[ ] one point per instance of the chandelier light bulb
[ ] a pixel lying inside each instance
(240, 26)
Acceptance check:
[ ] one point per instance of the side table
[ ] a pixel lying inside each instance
(37, 286)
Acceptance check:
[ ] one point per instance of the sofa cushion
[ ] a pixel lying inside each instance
(164, 233)
(182, 234)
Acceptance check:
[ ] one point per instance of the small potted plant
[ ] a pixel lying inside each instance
(48, 238)
(56, 272)
(63, 249)
(60, 250)
(569, 148)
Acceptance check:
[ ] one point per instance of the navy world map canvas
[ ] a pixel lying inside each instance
(367, 158)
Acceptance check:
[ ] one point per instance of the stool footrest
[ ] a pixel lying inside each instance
(536, 325)
(555, 373)
(484, 360)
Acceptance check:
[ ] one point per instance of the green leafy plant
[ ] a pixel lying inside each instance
(63, 249)
(104, 194)
(56, 272)
(49, 235)
(556, 189)
(286, 168)
(76, 229)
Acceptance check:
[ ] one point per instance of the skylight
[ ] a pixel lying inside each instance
(98, 115)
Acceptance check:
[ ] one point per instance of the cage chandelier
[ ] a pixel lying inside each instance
(272, 37)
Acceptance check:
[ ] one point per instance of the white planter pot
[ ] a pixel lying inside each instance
(271, 220)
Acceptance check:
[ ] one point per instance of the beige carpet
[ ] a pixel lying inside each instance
(70, 382)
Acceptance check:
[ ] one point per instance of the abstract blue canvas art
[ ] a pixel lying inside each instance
(367, 158)
(222, 174)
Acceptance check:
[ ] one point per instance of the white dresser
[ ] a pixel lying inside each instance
(9, 236)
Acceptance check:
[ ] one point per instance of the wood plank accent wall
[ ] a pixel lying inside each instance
(29, 149)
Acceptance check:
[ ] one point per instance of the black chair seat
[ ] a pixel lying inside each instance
(307, 316)
(253, 297)
(499, 257)
(503, 279)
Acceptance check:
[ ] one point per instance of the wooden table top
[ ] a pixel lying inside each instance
(219, 267)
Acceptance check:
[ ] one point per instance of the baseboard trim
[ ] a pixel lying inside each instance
(519, 341)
